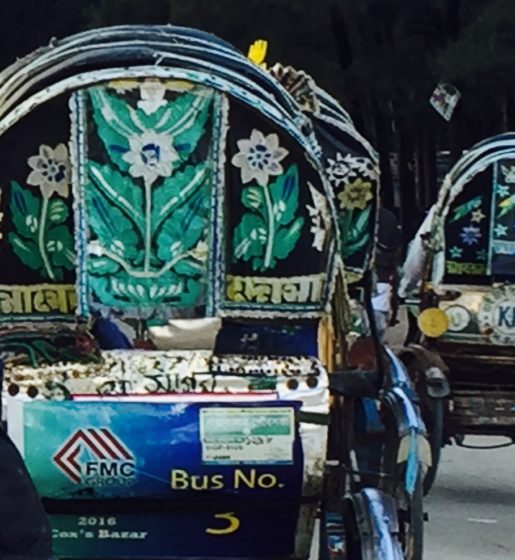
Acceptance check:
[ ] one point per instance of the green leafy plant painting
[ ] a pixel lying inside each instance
(271, 228)
(41, 238)
(148, 206)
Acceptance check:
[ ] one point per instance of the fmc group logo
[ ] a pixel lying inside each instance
(96, 457)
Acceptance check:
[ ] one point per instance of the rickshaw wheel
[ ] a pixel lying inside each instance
(434, 425)
(410, 508)
(412, 524)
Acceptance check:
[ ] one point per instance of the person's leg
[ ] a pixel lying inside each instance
(25, 533)
(381, 318)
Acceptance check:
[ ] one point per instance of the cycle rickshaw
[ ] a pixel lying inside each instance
(171, 264)
(458, 279)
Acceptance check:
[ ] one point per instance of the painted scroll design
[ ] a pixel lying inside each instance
(148, 207)
(320, 218)
(270, 229)
(41, 238)
(124, 373)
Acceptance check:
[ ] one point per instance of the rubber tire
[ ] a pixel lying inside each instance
(353, 544)
(323, 545)
(416, 522)
(434, 424)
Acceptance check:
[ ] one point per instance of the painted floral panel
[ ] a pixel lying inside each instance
(354, 178)
(146, 195)
(278, 217)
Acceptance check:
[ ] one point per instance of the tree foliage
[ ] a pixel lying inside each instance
(381, 58)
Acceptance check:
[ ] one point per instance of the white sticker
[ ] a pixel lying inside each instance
(497, 315)
(260, 435)
(459, 318)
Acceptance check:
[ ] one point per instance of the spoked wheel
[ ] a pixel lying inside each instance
(411, 523)
(332, 536)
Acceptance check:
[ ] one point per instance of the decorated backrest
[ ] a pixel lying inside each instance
(191, 188)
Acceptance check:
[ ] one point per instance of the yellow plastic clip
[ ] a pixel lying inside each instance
(257, 52)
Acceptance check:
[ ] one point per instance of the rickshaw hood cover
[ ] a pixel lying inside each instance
(494, 155)
(166, 125)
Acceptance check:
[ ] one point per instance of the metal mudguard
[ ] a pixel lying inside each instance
(375, 517)
(400, 399)
(431, 366)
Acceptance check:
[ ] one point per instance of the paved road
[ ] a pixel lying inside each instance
(472, 506)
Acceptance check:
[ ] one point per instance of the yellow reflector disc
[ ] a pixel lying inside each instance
(433, 322)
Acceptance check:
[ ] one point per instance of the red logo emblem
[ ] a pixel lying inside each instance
(108, 454)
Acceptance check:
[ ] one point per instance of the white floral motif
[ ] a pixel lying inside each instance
(152, 94)
(339, 170)
(367, 168)
(305, 366)
(344, 168)
(259, 157)
(178, 409)
(50, 171)
(95, 248)
(151, 155)
(320, 218)
(503, 190)
(509, 173)
(200, 251)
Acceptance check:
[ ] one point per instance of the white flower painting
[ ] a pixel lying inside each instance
(344, 168)
(50, 170)
(151, 155)
(152, 94)
(259, 157)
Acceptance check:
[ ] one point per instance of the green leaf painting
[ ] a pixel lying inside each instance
(354, 227)
(148, 207)
(128, 198)
(26, 250)
(271, 229)
(506, 206)
(466, 208)
(41, 240)
(176, 190)
(25, 209)
(58, 211)
(181, 122)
